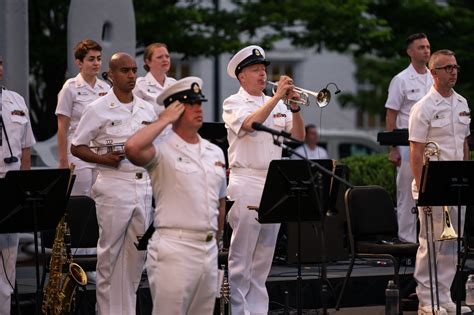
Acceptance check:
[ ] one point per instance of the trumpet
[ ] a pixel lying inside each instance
(109, 147)
(323, 97)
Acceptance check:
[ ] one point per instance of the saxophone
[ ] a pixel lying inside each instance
(65, 275)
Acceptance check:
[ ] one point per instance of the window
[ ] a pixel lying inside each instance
(179, 69)
(277, 69)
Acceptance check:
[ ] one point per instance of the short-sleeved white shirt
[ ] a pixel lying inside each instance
(75, 95)
(16, 119)
(317, 154)
(149, 89)
(435, 118)
(187, 187)
(254, 149)
(405, 89)
(106, 121)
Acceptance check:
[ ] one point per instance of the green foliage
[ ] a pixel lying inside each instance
(374, 31)
(371, 170)
(446, 25)
(48, 59)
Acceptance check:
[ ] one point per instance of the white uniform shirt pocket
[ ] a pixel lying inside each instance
(118, 131)
(414, 95)
(279, 122)
(85, 98)
(18, 119)
(439, 122)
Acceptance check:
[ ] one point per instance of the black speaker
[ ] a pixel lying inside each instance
(334, 227)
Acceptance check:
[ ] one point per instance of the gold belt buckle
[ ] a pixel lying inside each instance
(138, 175)
(209, 236)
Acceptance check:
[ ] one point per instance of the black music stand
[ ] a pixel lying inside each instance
(290, 184)
(449, 183)
(33, 201)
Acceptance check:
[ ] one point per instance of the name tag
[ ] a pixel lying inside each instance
(18, 112)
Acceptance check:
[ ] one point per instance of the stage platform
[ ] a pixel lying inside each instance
(364, 294)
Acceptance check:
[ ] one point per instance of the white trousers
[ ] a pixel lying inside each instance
(182, 274)
(9, 250)
(405, 202)
(251, 247)
(85, 176)
(446, 257)
(123, 212)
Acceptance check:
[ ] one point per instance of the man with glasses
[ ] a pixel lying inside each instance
(442, 116)
(405, 89)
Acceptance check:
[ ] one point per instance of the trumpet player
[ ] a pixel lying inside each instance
(122, 191)
(442, 116)
(250, 152)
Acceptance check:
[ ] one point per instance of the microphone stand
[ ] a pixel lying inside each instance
(322, 169)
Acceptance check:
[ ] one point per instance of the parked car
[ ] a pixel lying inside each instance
(344, 143)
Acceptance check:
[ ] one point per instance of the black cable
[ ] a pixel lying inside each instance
(15, 292)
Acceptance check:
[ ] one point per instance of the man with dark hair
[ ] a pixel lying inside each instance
(122, 191)
(405, 89)
(441, 116)
(310, 149)
(15, 133)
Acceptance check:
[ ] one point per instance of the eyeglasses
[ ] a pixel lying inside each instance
(449, 68)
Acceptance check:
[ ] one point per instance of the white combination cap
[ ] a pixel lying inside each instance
(186, 90)
(247, 56)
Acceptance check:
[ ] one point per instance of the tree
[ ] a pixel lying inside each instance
(373, 31)
(447, 26)
(48, 62)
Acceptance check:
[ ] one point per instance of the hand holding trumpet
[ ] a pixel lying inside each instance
(297, 96)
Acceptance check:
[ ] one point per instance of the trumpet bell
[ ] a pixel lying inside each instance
(323, 98)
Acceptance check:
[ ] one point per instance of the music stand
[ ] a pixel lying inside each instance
(33, 200)
(449, 183)
(294, 183)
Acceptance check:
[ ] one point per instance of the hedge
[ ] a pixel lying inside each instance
(371, 170)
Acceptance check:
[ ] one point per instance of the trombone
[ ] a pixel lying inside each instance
(323, 97)
(432, 149)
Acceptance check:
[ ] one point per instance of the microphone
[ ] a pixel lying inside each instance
(260, 127)
(105, 76)
(11, 158)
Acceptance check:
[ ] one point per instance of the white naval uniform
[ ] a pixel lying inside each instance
(188, 181)
(123, 200)
(149, 89)
(435, 118)
(17, 123)
(405, 89)
(252, 244)
(74, 96)
(319, 153)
